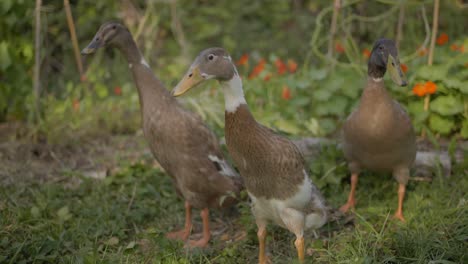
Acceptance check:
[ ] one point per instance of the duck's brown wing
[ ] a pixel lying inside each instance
(207, 175)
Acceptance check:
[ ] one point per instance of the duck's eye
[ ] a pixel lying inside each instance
(114, 27)
(190, 75)
(381, 47)
(211, 57)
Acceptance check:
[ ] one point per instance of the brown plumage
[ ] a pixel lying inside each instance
(183, 145)
(273, 169)
(379, 135)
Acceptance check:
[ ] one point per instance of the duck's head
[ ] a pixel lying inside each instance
(384, 57)
(109, 34)
(212, 63)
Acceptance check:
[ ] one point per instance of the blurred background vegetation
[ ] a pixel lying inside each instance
(297, 80)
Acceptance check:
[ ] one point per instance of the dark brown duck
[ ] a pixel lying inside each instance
(178, 139)
(272, 167)
(378, 135)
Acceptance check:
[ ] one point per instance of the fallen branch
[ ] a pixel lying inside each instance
(425, 164)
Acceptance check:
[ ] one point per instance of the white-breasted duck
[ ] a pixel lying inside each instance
(179, 140)
(379, 135)
(274, 171)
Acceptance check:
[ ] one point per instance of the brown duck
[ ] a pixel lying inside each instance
(379, 135)
(272, 167)
(178, 139)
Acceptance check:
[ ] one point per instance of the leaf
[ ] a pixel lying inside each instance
(101, 90)
(64, 214)
(416, 110)
(336, 106)
(35, 212)
(447, 105)
(130, 245)
(434, 72)
(440, 125)
(287, 126)
(112, 241)
(318, 74)
(5, 60)
(464, 129)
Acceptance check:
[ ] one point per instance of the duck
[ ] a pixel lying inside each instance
(271, 166)
(179, 139)
(378, 135)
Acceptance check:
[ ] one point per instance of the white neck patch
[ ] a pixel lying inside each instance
(376, 79)
(233, 93)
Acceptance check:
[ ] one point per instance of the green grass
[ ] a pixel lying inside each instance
(123, 219)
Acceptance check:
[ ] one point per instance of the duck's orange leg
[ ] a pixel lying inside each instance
(184, 233)
(299, 243)
(401, 196)
(261, 234)
(205, 215)
(351, 200)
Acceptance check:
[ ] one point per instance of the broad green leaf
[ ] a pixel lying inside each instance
(287, 126)
(327, 125)
(318, 74)
(464, 129)
(5, 60)
(416, 110)
(434, 72)
(101, 90)
(64, 214)
(447, 105)
(440, 125)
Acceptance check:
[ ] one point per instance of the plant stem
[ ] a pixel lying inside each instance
(37, 58)
(401, 18)
(336, 9)
(435, 22)
(71, 27)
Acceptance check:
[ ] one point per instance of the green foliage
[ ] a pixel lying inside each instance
(448, 106)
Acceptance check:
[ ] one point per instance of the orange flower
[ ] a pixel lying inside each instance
(422, 51)
(267, 77)
(244, 59)
(404, 67)
(75, 105)
(286, 93)
(292, 66)
(419, 90)
(366, 53)
(258, 69)
(280, 67)
(454, 47)
(442, 39)
(117, 90)
(430, 87)
(339, 48)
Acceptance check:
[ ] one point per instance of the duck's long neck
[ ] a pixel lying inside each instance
(130, 50)
(238, 118)
(375, 96)
(233, 93)
(150, 88)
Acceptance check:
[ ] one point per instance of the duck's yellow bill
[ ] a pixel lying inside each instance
(190, 80)
(394, 69)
